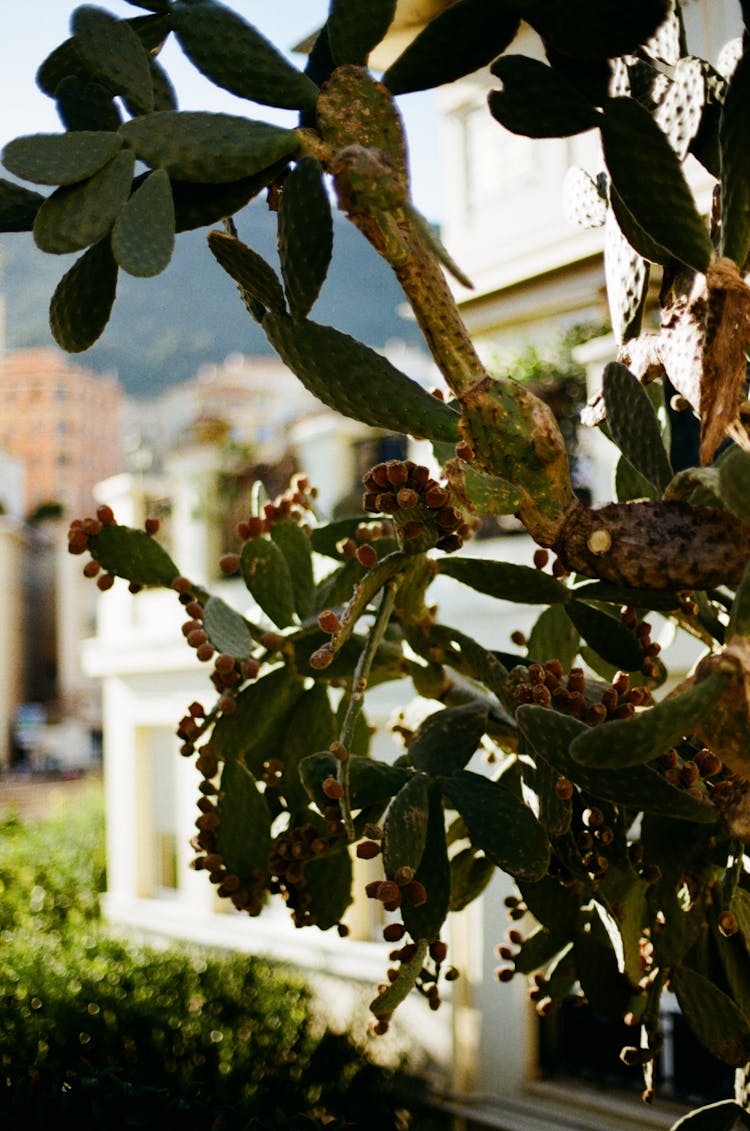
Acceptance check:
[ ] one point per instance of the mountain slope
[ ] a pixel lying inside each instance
(163, 329)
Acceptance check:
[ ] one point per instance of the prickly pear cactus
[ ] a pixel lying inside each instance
(614, 793)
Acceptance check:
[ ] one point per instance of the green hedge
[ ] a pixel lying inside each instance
(99, 1032)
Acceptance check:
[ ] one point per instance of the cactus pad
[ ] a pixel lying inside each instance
(83, 300)
(143, 234)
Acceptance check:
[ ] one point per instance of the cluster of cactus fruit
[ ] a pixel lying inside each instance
(620, 809)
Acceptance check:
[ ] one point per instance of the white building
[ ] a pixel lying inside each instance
(533, 274)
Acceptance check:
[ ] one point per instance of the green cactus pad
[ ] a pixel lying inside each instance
(659, 600)
(734, 482)
(633, 424)
(312, 726)
(132, 554)
(269, 580)
(624, 894)
(632, 742)
(457, 42)
(626, 277)
(553, 637)
(648, 176)
(391, 997)
(236, 57)
(327, 539)
(255, 732)
(537, 100)
(83, 299)
(739, 620)
(297, 549)
(447, 739)
(328, 884)
(607, 989)
(470, 874)
(356, 26)
(638, 239)
(64, 61)
(735, 167)
(356, 381)
(205, 147)
(372, 783)
(555, 812)
(18, 207)
(721, 1116)
(537, 949)
(198, 205)
(593, 31)
(143, 234)
(553, 905)
(227, 629)
(61, 159)
(713, 1017)
(637, 787)
(505, 581)
(250, 271)
(165, 97)
(76, 216)
(607, 635)
(305, 235)
(337, 587)
(405, 827)
(86, 105)
(500, 824)
(115, 54)
(425, 920)
(630, 484)
(243, 837)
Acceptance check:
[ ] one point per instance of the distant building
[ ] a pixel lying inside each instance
(63, 422)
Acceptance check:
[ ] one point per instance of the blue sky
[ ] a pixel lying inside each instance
(30, 29)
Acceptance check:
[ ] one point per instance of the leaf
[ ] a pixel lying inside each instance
(83, 300)
(537, 100)
(458, 41)
(198, 205)
(553, 637)
(721, 1116)
(76, 216)
(470, 874)
(639, 787)
(645, 736)
(227, 629)
(505, 580)
(735, 167)
(371, 782)
(405, 826)
(734, 482)
(500, 824)
(235, 56)
(392, 996)
(255, 278)
(647, 174)
(356, 26)
(209, 148)
(18, 207)
(256, 730)
(328, 885)
(712, 1016)
(305, 235)
(634, 426)
(590, 31)
(312, 726)
(243, 837)
(267, 576)
(132, 554)
(426, 920)
(630, 484)
(143, 235)
(61, 159)
(447, 739)
(356, 381)
(607, 635)
(114, 54)
(626, 277)
(86, 105)
(297, 550)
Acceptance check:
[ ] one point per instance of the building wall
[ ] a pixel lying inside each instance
(15, 639)
(63, 422)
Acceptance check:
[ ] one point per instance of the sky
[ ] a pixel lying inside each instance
(30, 29)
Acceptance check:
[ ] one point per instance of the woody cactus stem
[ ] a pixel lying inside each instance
(512, 433)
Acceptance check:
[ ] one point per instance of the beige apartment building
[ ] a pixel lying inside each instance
(63, 422)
